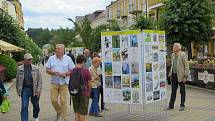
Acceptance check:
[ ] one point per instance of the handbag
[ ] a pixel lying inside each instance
(5, 106)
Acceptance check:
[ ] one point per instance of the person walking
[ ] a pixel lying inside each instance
(88, 62)
(95, 73)
(179, 73)
(59, 66)
(71, 56)
(81, 99)
(29, 85)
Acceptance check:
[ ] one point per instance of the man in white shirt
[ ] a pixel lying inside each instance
(59, 66)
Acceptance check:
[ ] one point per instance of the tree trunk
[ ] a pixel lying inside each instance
(189, 48)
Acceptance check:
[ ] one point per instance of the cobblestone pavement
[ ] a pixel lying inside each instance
(200, 106)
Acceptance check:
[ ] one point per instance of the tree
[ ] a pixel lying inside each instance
(90, 37)
(40, 36)
(187, 20)
(63, 36)
(113, 25)
(11, 33)
(141, 22)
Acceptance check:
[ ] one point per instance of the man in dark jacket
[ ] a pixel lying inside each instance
(71, 56)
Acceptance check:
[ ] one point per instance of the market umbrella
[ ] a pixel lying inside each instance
(7, 47)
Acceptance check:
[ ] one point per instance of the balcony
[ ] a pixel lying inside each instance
(153, 4)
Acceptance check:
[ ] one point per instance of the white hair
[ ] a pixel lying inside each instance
(178, 45)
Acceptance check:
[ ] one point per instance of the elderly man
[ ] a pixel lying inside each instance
(88, 58)
(59, 66)
(179, 75)
(29, 85)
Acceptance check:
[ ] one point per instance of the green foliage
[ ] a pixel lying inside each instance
(63, 36)
(141, 22)
(11, 33)
(40, 36)
(90, 37)
(10, 65)
(187, 20)
(113, 25)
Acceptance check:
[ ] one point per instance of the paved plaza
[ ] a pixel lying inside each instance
(200, 106)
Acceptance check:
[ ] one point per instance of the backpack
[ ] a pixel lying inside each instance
(76, 82)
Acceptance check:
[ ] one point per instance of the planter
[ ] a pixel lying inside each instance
(202, 77)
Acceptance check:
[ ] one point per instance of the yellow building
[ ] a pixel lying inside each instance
(124, 11)
(19, 13)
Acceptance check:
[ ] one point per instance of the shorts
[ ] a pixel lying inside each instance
(80, 104)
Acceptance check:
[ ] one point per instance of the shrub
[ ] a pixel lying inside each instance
(10, 65)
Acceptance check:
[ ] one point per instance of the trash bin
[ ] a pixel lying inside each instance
(2, 73)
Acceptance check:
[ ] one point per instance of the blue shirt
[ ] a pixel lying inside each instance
(88, 62)
(62, 65)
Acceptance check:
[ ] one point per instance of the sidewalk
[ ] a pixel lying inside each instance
(200, 106)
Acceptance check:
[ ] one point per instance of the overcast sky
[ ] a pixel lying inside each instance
(53, 13)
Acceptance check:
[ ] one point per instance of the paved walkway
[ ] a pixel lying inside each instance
(200, 107)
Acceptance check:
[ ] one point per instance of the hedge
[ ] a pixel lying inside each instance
(10, 65)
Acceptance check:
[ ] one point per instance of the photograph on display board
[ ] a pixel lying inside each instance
(126, 81)
(116, 54)
(124, 54)
(162, 75)
(161, 38)
(162, 65)
(126, 95)
(117, 82)
(156, 95)
(117, 68)
(149, 87)
(148, 38)
(162, 56)
(116, 41)
(148, 67)
(108, 82)
(134, 40)
(149, 77)
(108, 68)
(163, 93)
(149, 97)
(148, 57)
(155, 75)
(125, 68)
(156, 84)
(107, 43)
(154, 37)
(162, 46)
(108, 55)
(135, 82)
(155, 66)
(155, 57)
(135, 96)
(163, 84)
(134, 54)
(155, 48)
(134, 68)
(124, 41)
(148, 48)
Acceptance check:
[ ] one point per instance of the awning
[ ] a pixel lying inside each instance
(7, 47)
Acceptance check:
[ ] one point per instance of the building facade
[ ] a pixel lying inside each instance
(14, 9)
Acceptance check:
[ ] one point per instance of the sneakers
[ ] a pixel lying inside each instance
(181, 108)
(36, 119)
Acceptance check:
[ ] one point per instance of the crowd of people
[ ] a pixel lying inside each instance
(80, 77)
(62, 68)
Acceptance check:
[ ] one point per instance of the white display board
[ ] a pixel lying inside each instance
(128, 59)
